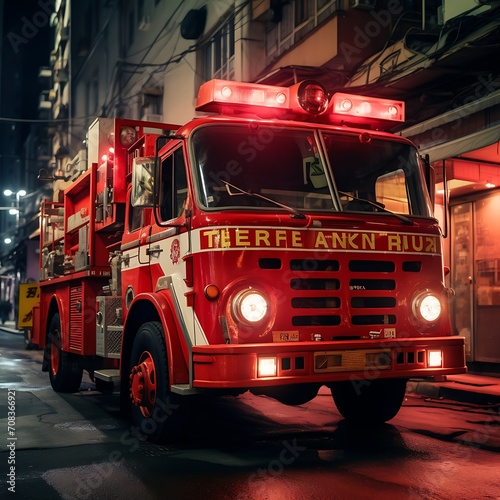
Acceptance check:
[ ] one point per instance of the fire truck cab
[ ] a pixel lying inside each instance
(279, 242)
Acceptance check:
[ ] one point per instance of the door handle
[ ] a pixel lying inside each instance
(154, 250)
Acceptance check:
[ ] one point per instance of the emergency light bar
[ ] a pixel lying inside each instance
(368, 108)
(214, 93)
(304, 98)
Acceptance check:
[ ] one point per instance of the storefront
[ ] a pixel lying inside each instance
(475, 273)
(465, 143)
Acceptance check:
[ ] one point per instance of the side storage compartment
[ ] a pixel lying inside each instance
(82, 315)
(109, 327)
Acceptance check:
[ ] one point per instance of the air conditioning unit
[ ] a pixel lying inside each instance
(150, 117)
(363, 4)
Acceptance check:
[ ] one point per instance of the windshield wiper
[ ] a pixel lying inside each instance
(379, 206)
(293, 212)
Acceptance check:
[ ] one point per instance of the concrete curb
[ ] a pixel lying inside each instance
(467, 388)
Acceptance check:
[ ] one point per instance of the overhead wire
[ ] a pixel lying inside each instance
(113, 97)
(118, 95)
(164, 66)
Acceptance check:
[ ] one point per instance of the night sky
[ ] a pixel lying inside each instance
(25, 47)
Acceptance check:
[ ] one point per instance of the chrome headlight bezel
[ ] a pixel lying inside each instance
(250, 306)
(427, 307)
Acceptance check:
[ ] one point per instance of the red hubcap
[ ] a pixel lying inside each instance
(55, 352)
(143, 384)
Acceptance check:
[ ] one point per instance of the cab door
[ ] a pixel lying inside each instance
(169, 241)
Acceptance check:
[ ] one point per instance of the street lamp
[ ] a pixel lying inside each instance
(15, 211)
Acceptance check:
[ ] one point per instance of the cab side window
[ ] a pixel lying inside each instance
(173, 183)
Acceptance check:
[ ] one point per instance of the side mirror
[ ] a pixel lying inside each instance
(143, 180)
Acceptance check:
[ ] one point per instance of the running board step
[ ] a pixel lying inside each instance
(110, 375)
(183, 389)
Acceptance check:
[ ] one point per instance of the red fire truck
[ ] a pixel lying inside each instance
(279, 242)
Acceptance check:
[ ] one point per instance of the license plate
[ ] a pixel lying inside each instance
(355, 360)
(286, 336)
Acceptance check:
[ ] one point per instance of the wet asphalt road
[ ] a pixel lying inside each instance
(77, 446)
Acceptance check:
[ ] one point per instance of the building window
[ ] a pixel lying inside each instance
(217, 56)
(303, 11)
(299, 17)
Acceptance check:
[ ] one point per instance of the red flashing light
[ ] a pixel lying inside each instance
(215, 93)
(370, 108)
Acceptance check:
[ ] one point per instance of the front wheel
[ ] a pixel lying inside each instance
(153, 406)
(65, 370)
(369, 401)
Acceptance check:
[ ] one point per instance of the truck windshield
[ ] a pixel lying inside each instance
(280, 165)
(371, 172)
(283, 166)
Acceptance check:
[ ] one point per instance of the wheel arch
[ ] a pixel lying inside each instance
(56, 306)
(155, 307)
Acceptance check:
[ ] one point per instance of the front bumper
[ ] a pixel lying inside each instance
(236, 365)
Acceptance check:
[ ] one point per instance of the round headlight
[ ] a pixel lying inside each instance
(428, 307)
(250, 306)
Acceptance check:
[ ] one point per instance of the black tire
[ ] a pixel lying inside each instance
(369, 402)
(65, 370)
(154, 409)
(104, 386)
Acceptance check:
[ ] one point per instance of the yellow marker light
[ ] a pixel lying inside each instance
(266, 367)
(434, 359)
(211, 292)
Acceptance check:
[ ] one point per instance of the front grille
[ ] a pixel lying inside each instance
(338, 293)
(314, 284)
(371, 266)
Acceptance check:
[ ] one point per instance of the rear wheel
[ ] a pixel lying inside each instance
(65, 370)
(154, 408)
(370, 401)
